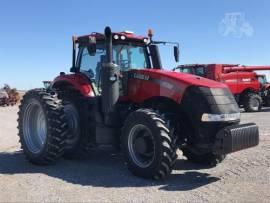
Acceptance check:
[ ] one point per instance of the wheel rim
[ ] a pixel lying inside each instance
(255, 104)
(73, 123)
(34, 127)
(141, 145)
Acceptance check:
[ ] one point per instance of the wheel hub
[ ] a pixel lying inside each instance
(34, 127)
(141, 145)
(73, 123)
(255, 104)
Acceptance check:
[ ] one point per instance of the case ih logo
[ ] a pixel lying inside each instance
(246, 79)
(159, 82)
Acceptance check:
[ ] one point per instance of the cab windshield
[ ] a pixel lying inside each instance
(262, 80)
(126, 56)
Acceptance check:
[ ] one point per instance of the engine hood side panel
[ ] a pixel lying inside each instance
(147, 83)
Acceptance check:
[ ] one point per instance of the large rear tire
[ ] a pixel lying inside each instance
(42, 126)
(149, 144)
(208, 159)
(77, 110)
(252, 102)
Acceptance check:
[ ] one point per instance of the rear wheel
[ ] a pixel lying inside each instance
(252, 102)
(208, 159)
(42, 126)
(148, 143)
(77, 110)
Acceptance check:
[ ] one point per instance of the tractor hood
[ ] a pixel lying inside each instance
(181, 78)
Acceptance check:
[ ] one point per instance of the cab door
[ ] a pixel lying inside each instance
(90, 65)
(129, 57)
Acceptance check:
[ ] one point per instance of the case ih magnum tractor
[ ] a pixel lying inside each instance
(118, 94)
(250, 89)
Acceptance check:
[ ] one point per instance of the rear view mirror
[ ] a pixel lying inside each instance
(92, 46)
(176, 53)
(92, 49)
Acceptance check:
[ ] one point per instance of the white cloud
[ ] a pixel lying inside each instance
(236, 25)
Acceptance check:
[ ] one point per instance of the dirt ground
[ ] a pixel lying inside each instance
(102, 177)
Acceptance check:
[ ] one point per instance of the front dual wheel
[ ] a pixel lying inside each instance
(149, 144)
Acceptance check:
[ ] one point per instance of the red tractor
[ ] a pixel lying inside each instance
(251, 90)
(118, 94)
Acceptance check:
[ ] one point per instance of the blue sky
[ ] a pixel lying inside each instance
(35, 36)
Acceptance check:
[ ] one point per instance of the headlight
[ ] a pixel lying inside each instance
(206, 117)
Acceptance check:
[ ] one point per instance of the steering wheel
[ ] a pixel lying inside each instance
(124, 64)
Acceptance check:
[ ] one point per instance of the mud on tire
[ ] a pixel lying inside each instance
(149, 144)
(42, 126)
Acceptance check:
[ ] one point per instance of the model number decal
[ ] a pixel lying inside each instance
(166, 84)
(162, 83)
(141, 76)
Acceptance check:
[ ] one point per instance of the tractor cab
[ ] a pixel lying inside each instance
(128, 52)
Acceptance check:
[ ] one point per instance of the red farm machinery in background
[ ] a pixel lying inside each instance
(251, 90)
(9, 96)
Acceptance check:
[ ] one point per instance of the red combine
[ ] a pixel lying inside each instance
(118, 94)
(250, 89)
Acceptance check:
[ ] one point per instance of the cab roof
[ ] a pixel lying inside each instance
(116, 36)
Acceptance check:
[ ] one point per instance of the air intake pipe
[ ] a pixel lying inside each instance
(109, 78)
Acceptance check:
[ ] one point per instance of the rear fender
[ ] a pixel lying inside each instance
(77, 81)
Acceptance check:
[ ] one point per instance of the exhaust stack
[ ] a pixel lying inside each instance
(109, 77)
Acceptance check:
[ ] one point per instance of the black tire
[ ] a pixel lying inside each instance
(56, 126)
(208, 159)
(252, 102)
(80, 145)
(163, 140)
(267, 98)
